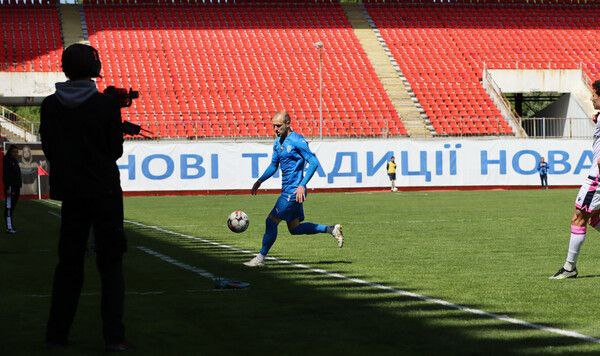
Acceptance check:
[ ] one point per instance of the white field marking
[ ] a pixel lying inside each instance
(53, 213)
(505, 318)
(450, 305)
(199, 271)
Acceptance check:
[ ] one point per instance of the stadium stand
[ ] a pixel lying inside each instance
(442, 50)
(222, 70)
(30, 36)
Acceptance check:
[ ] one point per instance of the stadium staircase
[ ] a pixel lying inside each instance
(71, 23)
(388, 74)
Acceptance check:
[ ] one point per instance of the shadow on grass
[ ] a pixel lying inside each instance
(286, 310)
(589, 276)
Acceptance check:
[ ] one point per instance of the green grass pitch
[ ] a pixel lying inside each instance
(487, 250)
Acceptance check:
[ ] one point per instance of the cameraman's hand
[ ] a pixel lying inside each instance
(255, 187)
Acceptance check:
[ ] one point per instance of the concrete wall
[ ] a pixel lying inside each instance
(565, 106)
(27, 88)
(547, 80)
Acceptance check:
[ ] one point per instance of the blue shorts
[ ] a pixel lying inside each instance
(287, 208)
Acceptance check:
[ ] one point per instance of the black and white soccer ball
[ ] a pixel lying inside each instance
(238, 221)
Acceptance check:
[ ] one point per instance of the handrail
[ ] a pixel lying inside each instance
(586, 80)
(27, 126)
(552, 127)
(510, 112)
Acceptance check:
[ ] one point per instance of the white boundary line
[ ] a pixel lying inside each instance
(505, 318)
(199, 271)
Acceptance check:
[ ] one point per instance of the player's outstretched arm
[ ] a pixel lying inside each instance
(255, 187)
(268, 173)
(271, 169)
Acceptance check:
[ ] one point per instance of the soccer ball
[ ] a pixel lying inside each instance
(238, 221)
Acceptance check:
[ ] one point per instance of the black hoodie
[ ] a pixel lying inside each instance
(11, 173)
(82, 139)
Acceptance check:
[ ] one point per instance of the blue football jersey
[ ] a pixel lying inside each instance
(291, 156)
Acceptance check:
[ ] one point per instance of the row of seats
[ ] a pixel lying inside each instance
(204, 2)
(211, 62)
(187, 127)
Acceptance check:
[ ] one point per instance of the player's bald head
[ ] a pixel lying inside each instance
(281, 123)
(282, 116)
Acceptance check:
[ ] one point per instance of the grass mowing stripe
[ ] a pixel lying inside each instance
(567, 333)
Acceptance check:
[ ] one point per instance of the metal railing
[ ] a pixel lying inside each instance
(17, 127)
(534, 128)
(507, 110)
(332, 128)
(544, 127)
(237, 127)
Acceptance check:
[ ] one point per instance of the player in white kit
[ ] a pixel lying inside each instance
(587, 203)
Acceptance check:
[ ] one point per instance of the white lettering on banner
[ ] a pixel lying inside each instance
(354, 164)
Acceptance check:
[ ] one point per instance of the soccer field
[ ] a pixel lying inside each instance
(421, 273)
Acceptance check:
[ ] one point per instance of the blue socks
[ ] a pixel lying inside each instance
(309, 229)
(303, 229)
(269, 237)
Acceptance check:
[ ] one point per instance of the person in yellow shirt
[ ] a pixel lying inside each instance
(391, 171)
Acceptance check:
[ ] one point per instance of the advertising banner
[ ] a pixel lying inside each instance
(189, 166)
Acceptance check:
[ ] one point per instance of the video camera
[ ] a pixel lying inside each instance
(125, 99)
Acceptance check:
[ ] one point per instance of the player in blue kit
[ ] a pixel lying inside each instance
(291, 154)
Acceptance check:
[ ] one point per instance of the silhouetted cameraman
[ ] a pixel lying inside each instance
(82, 138)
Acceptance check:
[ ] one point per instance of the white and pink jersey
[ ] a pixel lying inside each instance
(596, 150)
(588, 198)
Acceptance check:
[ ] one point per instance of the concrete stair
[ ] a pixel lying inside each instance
(15, 128)
(388, 72)
(72, 24)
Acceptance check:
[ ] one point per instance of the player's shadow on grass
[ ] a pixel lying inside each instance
(338, 262)
(588, 276)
